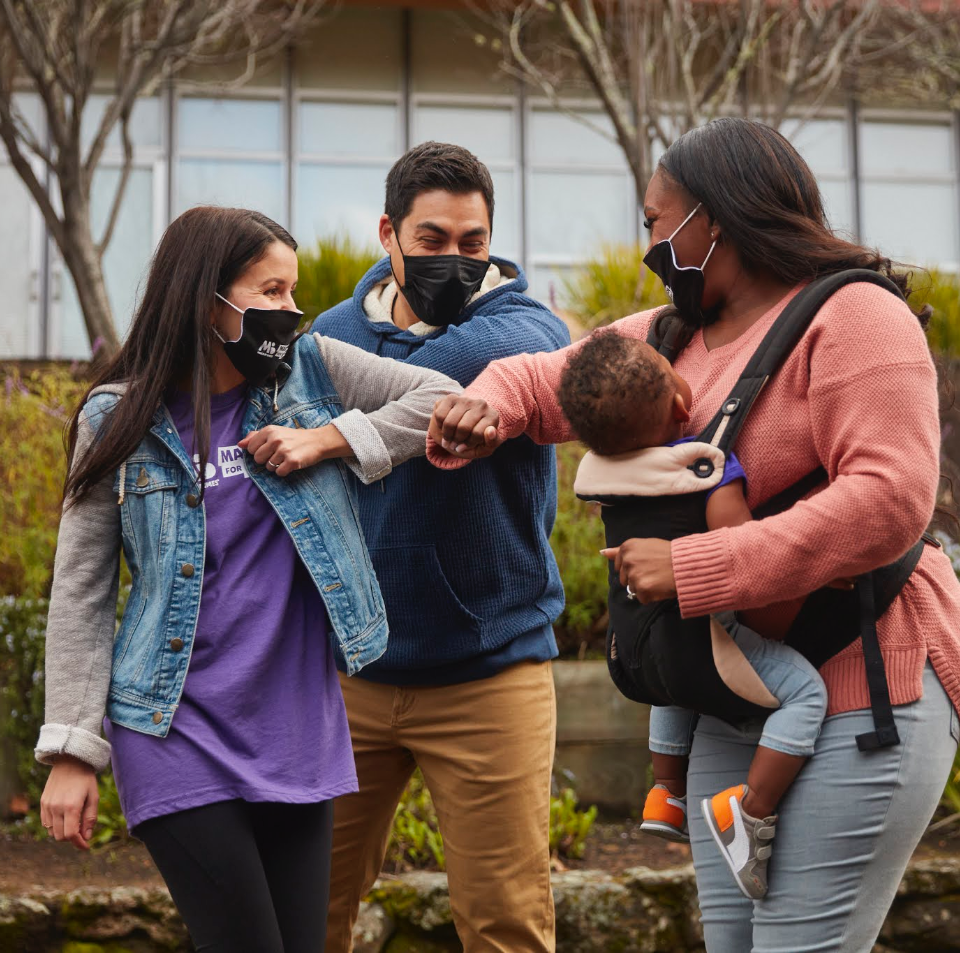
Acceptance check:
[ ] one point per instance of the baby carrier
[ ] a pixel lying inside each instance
(659, 658)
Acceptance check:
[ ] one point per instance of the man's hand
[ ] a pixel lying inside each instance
(646, 567)
(465, 426)
(68, 805)
(285, 449)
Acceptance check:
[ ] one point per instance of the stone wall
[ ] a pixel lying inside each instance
(638, 911)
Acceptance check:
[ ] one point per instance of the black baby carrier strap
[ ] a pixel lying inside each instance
(650, 658)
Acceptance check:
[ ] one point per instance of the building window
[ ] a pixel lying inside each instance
(231, 152)
(908, 191)
(491, 132)
(580, 195)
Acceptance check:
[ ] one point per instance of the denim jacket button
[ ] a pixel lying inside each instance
(193, 500)
(176, 645)
(157, 717)
(187, 569)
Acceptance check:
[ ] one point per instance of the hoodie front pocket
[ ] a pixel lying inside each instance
(429, 625)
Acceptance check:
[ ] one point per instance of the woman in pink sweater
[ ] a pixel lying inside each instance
(858, 395)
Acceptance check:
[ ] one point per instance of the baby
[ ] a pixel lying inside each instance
(621, 396)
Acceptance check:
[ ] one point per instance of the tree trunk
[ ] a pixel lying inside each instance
(80, 256)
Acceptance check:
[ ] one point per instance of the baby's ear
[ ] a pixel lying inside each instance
(679, 408)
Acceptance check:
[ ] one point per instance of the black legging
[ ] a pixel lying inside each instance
(247, 878)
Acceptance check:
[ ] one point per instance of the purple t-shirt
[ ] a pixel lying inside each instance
(261, 717)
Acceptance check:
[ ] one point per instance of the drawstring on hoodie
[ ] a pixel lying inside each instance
(123, 483)
(276, 386)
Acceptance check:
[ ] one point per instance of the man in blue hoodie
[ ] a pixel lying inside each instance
(465, 689)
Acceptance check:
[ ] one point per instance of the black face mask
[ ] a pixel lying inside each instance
(439, 286)
(684, 284)
(265, 339)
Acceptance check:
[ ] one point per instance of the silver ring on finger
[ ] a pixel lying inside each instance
(276, 466)
(630, 593)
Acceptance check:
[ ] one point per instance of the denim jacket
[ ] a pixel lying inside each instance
(136, 674)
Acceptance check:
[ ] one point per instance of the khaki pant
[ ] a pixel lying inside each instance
(486, 752)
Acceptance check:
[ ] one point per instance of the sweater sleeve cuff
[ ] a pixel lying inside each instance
(702, 570)
(371, 458)
(78, 742)
(443, 459)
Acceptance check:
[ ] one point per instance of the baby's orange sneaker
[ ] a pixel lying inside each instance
(665, 815)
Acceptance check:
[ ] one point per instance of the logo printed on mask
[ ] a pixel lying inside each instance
(272, 349)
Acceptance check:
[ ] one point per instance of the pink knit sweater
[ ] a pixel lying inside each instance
(859, 395)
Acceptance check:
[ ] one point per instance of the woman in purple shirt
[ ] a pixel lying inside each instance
(224, 717)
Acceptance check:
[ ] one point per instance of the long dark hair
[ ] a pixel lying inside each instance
(753, 182)
(202, 252)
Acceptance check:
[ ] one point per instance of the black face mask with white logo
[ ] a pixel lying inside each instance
(438, 287)
(265, 338)
(684, 284)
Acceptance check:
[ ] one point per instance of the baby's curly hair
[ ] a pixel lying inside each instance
(611, 390)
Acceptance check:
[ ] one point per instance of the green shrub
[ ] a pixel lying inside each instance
(611, 286)
(34, 409)
(416, 842)
(569, 826)
(576, 540)
(330, 271)
(23, 624)
(942, 293)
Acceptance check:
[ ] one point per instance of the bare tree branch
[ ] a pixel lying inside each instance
(56, 46)
(661, 67)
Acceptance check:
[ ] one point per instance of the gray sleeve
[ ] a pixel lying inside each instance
(81, 623)
(387, 406)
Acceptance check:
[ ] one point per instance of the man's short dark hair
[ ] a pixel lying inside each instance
(435, 165)
(610, 392)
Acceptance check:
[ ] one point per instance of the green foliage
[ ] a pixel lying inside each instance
(415, 840)
(111, 824)
(611, 286)
(416, 843)
(577, 538)
(34, 409)
(23, 623)
(942, 293)
(569, 826)
(330, 271)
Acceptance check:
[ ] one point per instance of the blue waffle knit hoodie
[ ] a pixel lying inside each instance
(463, 557)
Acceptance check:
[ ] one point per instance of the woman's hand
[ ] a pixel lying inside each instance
(68, 805)
(285, 449)
(467, 427)
(646, 567)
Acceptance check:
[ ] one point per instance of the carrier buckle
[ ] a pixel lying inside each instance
(702, 467)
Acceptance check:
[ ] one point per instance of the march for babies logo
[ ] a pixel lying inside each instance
(230, 463)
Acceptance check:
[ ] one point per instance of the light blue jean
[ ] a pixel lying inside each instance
(847, 828)
(792, 728)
